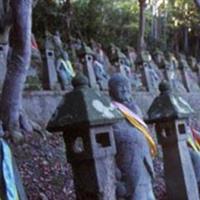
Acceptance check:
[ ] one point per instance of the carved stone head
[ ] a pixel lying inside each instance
(119, 88)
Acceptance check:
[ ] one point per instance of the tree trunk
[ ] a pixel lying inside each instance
(196, 50)
(155, 28)
(197, 3)
(11, 100)
(141, 42)
(185, 34)
(176, 41)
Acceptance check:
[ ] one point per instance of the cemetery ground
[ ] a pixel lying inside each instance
(46, 174)
(43, 167)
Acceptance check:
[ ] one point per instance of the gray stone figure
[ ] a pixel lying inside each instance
(64, 67)
(159, 59)
(34, 74)
(101, 75)
(151, 75)
(189, 79)
(192, 62)
(171, 73)
(133, 155)
(101, 55)
(132, 55)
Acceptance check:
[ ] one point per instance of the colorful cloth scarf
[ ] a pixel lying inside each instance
(139, 124)
(8, 172)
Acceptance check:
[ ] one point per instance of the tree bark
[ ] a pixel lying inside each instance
(11, 100)
(141, 42)
(186, 42)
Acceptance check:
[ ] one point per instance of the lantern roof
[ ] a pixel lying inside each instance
(83, 106)
(168, 106)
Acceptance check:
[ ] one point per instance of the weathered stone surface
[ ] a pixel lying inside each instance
(85, 117)
(133, 155)
(50, 79)
(170, 112)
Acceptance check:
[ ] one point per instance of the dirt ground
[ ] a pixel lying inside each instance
(46, 174)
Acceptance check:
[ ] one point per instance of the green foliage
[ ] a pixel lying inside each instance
(107, 21)
(117, 21)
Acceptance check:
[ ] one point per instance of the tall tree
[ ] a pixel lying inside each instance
(11, 100)
(141, 42)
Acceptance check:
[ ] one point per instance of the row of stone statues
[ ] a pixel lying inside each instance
(143, 71)
(55, 70)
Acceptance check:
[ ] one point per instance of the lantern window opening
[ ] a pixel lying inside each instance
(50, 53)
(103, 139)
(181, 128)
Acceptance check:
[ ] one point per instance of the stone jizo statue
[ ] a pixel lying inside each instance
(133, 152)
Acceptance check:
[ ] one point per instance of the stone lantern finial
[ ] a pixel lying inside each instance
(80, 81)
(164, 86)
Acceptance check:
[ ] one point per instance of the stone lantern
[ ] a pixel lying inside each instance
(144, 62)
(50, 78)
(85, 117)
(88, 70)
(170, 113)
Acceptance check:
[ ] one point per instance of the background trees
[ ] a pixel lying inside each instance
(170, 24)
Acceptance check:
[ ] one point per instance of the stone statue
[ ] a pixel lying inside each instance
(101, 75)
(189, 78)
(183, 64)
(133, 154)
(192, 61)
(151, 76)
(172, 74)
(132, 55)
(159, 59)
(95, 69)
(34, 73)
(64, 67)
(101, 55)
